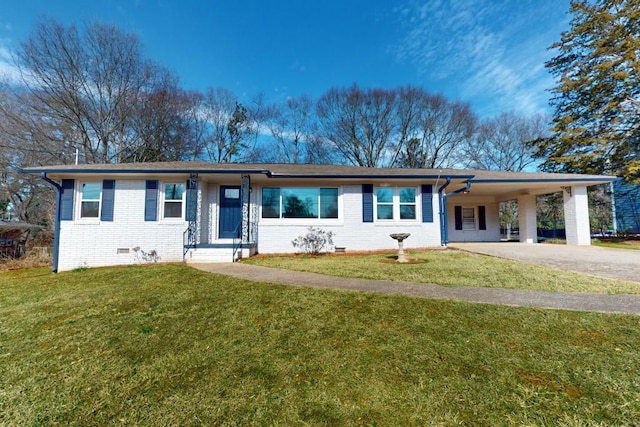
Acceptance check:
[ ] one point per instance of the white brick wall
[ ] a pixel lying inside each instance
(491, 234)
(96, 243)
(275, 236)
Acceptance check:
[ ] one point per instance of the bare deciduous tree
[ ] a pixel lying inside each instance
(437, 129)
(293, 127)
(163, 125)
(84, 94)
(224, 128)
(359, 124)
(87, 81)
(26, 197)
(505, 142)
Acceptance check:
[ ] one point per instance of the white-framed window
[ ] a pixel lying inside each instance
(300, 202)
(396, 203)
(384, 203)
(90, 200)
(407, 202)
(468, 219)
(173, 195)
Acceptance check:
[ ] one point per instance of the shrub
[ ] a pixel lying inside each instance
(314, 241)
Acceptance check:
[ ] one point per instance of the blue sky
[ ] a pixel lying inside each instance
(488, 53)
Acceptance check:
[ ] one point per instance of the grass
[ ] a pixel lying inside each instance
(617, 243)
(171, 345)
(450, 268)
(30, 260)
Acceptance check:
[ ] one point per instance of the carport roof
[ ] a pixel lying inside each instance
(10, 226)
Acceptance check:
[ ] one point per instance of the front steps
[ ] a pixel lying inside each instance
(221, 251)
(210, 254)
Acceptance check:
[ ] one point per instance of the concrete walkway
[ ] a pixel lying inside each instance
(627, 304)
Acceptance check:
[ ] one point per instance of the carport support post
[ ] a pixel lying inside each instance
(527, 221)
(576, 215)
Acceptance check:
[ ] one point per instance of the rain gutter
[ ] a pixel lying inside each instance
(56, 229)
(444, 234)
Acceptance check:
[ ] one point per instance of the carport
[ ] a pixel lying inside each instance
(472, 211)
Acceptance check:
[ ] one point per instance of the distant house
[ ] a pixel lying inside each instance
(110, 214)
(13, 238)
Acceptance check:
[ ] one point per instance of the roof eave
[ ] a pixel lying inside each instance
(145, 171)
(368, 176)
(602, 179)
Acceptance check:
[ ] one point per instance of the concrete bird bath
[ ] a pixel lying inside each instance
(400, 238)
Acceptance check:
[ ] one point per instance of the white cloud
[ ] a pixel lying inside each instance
(493, 51)
(8, 70)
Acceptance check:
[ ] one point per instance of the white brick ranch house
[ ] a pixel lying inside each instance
(109, 214)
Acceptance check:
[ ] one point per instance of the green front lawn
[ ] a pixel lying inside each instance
(617, 243)
(450, 268)
(171, 345)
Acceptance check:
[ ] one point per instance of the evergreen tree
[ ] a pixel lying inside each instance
(597, 95)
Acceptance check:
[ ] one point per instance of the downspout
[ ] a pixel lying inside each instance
(443, 213)
(445, 197)
(56, 226)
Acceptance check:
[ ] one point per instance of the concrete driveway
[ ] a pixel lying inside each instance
(604, 262)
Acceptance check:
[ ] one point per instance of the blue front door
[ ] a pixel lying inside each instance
(230, 212)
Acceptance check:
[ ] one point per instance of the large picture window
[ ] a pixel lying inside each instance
(90, 201)
(396, 203)
(173, 200)
(300, 202)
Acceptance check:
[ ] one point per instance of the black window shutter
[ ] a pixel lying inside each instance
(482, 218)
(367, 202)
(108, 193)
(66, 200)
(427, 203)
(458, 215)
(151, 201)
(191, 210)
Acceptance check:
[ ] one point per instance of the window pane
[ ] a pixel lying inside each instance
(89, 209)
(91, 191)
(90, 203)
(300, 202)
(407, 195)
(407, 211)
(468, 219)
(270, 203)
(385, 211)
(384, 195)
(231, 193)
(172, 209)
(328, 203)
(173, 191)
